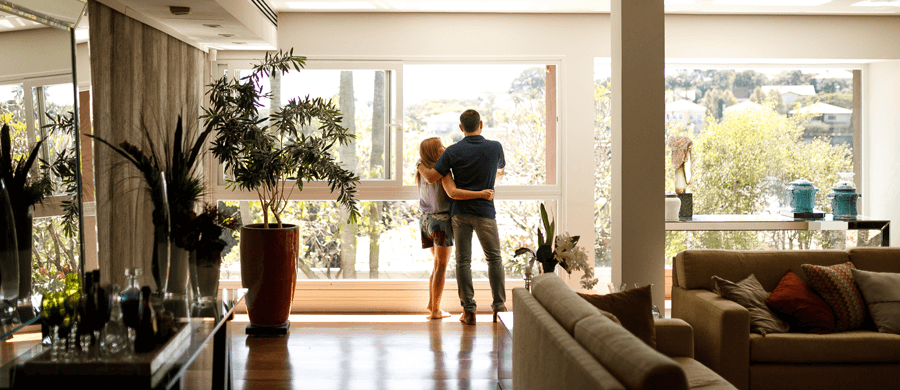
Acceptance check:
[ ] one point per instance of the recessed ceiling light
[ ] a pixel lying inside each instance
(212, 25)
(239, 43)
(773, 3)
(330, 5)
(226, 35)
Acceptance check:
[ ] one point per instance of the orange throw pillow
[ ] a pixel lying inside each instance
(800, 306)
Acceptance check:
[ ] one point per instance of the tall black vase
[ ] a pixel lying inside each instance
(549, 265)
(24, 221)
(9, 253)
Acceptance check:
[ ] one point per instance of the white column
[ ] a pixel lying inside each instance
(638, 113)
(881, 141)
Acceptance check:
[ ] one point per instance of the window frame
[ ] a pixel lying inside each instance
(393, 189)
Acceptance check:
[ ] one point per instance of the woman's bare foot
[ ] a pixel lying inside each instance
(439, 315)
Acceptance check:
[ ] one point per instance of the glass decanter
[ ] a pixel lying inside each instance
(114, 337)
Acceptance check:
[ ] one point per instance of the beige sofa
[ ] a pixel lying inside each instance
(560, 341)
(857, 359)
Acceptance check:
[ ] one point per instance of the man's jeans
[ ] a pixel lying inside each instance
(486, 229)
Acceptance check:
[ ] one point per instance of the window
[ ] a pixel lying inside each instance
(27, 107)
(764, 129)
(514, 99)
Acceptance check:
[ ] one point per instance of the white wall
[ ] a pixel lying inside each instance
(35, 52)
(881, 145)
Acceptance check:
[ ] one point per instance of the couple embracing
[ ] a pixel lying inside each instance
(454, 206)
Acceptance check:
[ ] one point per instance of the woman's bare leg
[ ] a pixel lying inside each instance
(430, 285)
(436, 283)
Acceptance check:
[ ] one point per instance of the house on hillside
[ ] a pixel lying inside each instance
(442, 124)
(741, 107)
(789, 93)
(691, 114)
(828, 121)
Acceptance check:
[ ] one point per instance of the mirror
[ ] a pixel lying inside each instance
(39, 100)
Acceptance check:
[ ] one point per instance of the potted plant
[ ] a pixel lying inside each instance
(175, 185)
(565, 253)
(207, 260)
(23, 192)
(262, 158)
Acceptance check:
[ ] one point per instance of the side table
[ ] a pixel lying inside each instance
(504, 351)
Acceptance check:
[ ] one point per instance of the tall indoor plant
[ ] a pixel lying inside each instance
(24, 192)
(263, 158)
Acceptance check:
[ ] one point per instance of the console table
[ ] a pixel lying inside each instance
(205, 325)
(756, 222)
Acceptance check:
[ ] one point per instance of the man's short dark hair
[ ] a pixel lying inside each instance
(470, 120)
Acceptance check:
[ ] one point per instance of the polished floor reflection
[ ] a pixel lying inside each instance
(363, 352)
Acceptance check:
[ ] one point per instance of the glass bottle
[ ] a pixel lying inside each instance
(114, 338)
(144, 339)
(131, 304)
(87, 313)
(101, 300)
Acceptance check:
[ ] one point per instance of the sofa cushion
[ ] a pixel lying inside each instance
(836, 286)
(876, 259)
(881, 291)
(801, 307)
(694, 268)
(855, 346)
(700, 377)
(633, 308)
(629, 359)
(561, 302)
(750, 294)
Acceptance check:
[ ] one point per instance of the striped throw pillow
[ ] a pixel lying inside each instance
(836, 286)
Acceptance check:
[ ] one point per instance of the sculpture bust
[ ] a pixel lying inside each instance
(681, 161)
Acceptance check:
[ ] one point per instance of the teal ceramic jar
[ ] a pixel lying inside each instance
(801, 195)
(843, 197)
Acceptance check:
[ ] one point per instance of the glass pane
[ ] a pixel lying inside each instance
(754, 131)
(58, 100)
(510, 98)
(55, 253)
(360, 95)
(602, 174)
(386, 244)
(12, 112)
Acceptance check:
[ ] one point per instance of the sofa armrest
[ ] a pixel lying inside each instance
(674, 337)
(721, 332)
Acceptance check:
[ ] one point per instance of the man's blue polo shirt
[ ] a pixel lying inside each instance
(474, 162)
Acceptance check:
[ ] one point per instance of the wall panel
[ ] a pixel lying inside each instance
(142, 79)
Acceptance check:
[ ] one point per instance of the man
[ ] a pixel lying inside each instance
(476, 164)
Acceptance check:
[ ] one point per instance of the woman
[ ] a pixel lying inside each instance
(437, 232)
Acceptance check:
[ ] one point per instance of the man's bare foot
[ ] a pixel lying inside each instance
(439, 315)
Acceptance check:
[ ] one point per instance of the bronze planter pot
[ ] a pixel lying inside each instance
(268, 271)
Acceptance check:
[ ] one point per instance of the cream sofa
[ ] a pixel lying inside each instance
(857, 359)
(560, 341)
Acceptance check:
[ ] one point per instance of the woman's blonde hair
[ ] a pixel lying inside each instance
(430, 151)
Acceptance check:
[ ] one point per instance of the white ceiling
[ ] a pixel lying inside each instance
(209, 24)
(826, 7)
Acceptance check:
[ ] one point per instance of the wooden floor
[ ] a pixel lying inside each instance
(361, 352)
